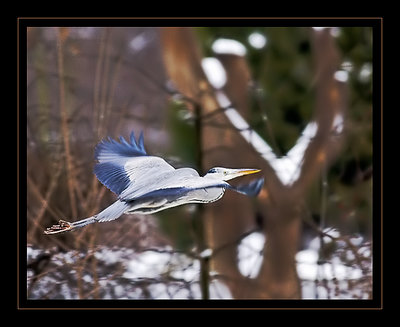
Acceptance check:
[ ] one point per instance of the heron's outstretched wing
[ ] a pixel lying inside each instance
(121, 164)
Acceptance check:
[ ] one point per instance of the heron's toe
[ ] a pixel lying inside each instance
(62, 226)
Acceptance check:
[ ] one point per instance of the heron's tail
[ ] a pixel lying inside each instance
(112, 212)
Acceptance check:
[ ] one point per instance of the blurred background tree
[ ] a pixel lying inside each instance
(88, 83)
(283, 89)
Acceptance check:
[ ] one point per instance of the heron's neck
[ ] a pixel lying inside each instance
(213, 176)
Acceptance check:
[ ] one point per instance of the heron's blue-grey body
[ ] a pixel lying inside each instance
(147, 184)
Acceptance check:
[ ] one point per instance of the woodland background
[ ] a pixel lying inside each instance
(307, 235)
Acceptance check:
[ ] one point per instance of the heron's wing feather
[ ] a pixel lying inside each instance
(174, 192)
(156, 177)
(112, 175)
(112, 150)
(124, 163)
(251, 189)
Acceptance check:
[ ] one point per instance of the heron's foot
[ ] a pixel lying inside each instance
(63, 226)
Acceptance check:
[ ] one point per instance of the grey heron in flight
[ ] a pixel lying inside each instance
(147, 184)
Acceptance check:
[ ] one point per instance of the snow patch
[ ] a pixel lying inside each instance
(228, 46)
(249, 254)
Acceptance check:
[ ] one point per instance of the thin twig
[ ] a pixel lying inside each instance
(64, 121)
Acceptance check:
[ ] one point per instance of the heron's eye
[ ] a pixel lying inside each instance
(225, 173)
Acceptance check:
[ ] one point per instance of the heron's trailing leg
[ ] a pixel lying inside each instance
(65, 226)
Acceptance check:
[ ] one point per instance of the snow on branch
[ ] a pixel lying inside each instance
(287, 168)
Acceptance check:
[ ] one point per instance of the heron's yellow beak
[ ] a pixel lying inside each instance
(227, 174)
(242, 172)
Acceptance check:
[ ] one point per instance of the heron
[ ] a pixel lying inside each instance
(147, 184)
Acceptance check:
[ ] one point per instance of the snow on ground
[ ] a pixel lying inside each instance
(162, 273)
(122, 273)
(343, 272)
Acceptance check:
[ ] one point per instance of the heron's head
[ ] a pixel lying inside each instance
(226, 174)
